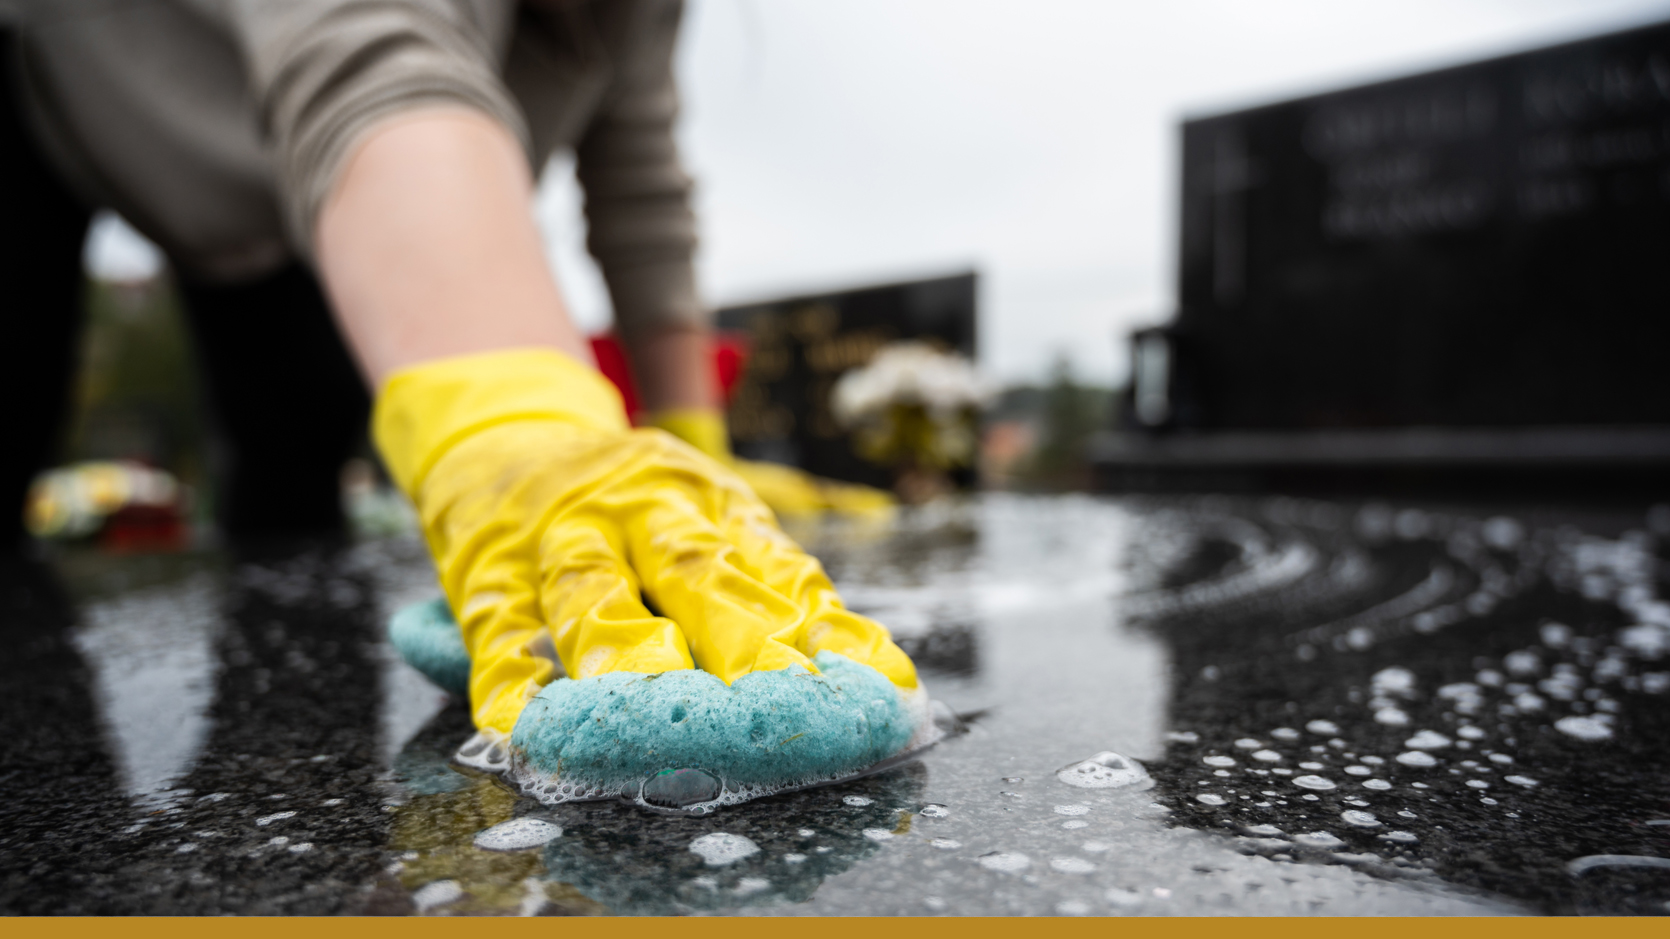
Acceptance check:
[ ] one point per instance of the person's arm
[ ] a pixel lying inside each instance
(428, 247)
(641, 227)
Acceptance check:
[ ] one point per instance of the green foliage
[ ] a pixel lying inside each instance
(1064, 415)
(137, 392)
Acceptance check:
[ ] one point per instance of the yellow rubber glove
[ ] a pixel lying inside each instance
(788, 491)
(544, 511)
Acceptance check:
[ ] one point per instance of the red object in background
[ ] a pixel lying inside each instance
(730, 354)
(144, 528)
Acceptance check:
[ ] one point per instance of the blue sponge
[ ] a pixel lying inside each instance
(427, 637)
(683, 741)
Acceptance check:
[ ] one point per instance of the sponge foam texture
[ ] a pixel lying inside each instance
(772, 730)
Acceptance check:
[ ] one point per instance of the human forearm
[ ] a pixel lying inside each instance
(428, 248)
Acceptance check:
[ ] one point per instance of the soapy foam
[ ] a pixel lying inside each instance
(683, 741)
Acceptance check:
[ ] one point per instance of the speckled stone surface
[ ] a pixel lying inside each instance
(1340, 707)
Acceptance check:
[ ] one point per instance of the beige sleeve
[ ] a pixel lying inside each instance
(324, 71)
(641, 228)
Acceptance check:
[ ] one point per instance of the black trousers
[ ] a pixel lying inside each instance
(284, 399)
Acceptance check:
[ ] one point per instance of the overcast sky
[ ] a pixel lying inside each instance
(839, 144)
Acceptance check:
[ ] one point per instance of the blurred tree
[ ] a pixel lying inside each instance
(1071, 413)
(137, 390)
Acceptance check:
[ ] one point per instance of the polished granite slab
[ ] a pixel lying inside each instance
(1298, 707)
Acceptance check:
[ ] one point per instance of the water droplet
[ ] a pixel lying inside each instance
(946, 844)
(1525, 781)
(1095, 847)
(1105, 770)
(1379, 784)
(301, 848)
(1072, 908)
(721, 848)
(1210, 798)
(1248, 743)
(1077, 808)
(1477, 784)
(1584, 728)
(1309, 765)
(793, 858)
(1326, 728)
(1522, 663)
(1075, 823)
(1071, 865)
(1264, 831)
(1358, 771)
(1391, 717)
(1124, 899)
(934, 810)
(1428, 740)
(1313, 782)
(857, 802)
(878, 834)
(1401, 837)
(808, 833)
(749, 885)
(1005, 862)
(1218, 760)
(1183, 736)
(266, 820)
(1320, 839)
(1418, 758)
(1470, 732)
(1285, 733)
(1407, 814)
(677, 788)
(517, 834)
(436, 893)
(1014, 779)
(1359, 818)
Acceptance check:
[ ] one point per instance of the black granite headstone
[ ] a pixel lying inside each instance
(799, 347)
(1487, 245)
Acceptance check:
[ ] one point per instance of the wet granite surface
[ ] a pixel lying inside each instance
(1334, 708)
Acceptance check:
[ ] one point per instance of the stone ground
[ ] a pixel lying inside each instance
(1333, 708)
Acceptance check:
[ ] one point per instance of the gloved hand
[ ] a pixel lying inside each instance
(545, 511)
(788, 491)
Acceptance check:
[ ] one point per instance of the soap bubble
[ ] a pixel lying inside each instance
(517, 834)
(1359, 818)
(721, 848)
(1105, 770)
(1588, 729)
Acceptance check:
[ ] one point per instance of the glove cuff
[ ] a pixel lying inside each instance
(422, 411)
(702, 428)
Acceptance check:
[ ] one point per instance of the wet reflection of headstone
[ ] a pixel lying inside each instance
(613, 858)
(799, 347)
(62, 808)
(284, 809)
(634, 864)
